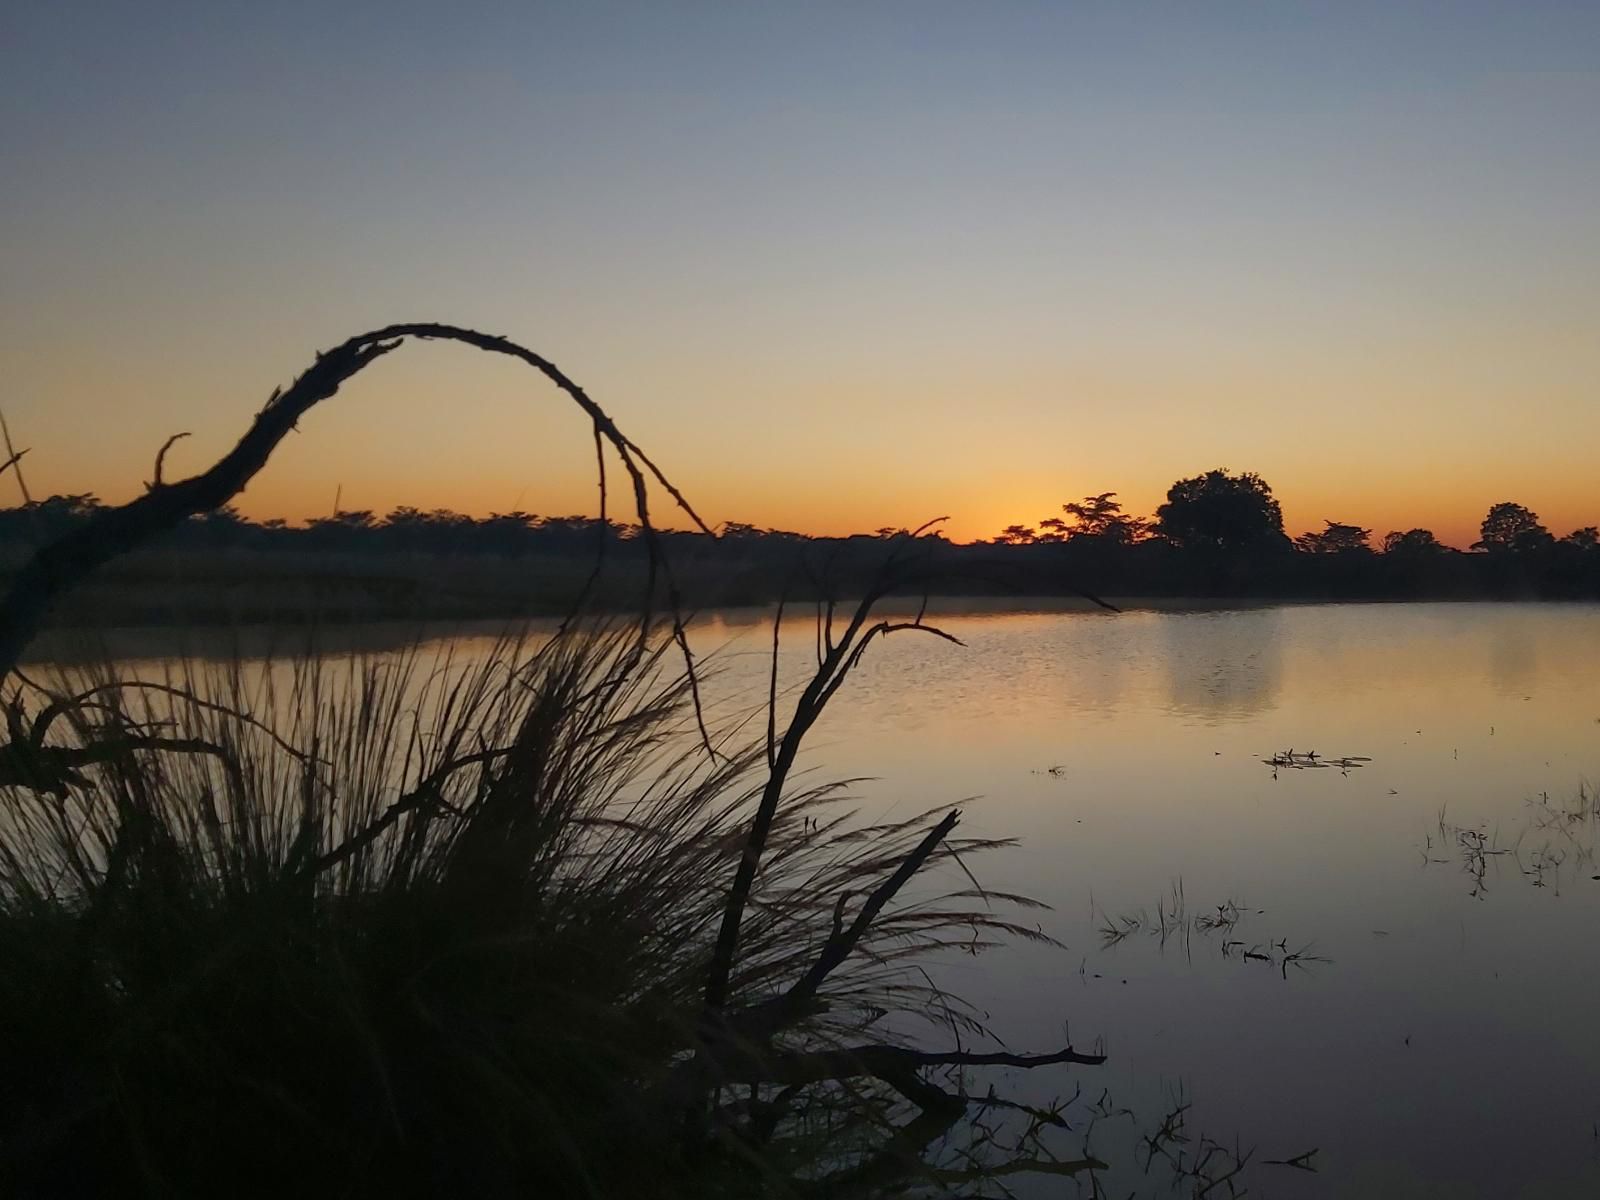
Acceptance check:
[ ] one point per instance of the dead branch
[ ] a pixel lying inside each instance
(843, 940)
(425, 794)
(837, 659)
(60, 705)
(63, 564)
(54, 770)
(161, 458)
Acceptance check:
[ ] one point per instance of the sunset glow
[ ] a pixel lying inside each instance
(837, 268)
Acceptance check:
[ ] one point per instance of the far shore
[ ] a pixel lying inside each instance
(160, 641)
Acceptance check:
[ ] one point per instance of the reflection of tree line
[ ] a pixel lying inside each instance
(1218, 534)
(1234, 670)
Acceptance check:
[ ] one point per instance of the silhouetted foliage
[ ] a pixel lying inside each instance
(1335, 539)
(354, 565)
(1102, 517)
(1511, 527)
(1415, 543)
(1221, 511)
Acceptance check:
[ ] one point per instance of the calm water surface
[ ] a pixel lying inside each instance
(1449, 1042)
(1450, 1045)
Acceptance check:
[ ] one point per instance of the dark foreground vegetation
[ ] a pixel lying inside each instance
(546, 926)
(452, 933)
(1219, 536)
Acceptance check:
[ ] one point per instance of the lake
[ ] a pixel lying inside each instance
(1450, 1045)
(1397, 964)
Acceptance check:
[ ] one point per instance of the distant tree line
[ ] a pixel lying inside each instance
(1217, 534)
(1217, 519)
(404, 530)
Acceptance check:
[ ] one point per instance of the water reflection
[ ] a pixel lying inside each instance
(1513, 658)
(1223, 666)
(1457, 1006)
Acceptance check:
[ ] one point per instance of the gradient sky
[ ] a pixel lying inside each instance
(835, 266)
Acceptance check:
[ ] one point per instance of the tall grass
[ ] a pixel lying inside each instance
(408, 925)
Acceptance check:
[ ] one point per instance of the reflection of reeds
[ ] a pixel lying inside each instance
(1172, 922)
(1554, 843)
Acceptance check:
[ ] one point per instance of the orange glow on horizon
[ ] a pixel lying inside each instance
(830, 284)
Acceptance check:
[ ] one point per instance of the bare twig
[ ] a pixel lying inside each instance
(161, 458)
(16, 459)
(425, 794)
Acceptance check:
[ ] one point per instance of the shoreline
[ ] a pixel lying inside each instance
(152, 641)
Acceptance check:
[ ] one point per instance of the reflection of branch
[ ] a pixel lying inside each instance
(1022, 1166)
(1300, 1162)
(57, 567)
(885, 1062)
(939, 1111)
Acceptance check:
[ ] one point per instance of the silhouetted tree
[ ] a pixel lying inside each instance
(1220, 511)
(505, 533)
(1016, 535)
(1413, 543)
(219, 528)
(359, 518)
(341, 531)
(42, 520)
(1512, 528)
(1102, 517)
(1052, 529)
(1586, 538)
(1335, 539)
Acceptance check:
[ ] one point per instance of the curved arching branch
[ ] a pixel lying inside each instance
(56, 568)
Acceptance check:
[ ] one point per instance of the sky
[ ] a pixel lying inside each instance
(834, 266)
